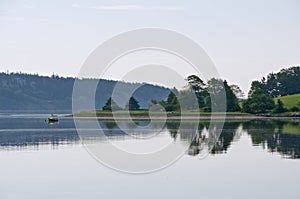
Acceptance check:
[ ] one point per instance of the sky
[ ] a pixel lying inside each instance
(245, 39)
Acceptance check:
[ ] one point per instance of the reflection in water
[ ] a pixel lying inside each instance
(277, 136)
(280, 136)
(18, 140)
(227, 136)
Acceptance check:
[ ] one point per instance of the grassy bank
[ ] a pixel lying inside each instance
(290, 101)
(145, 113)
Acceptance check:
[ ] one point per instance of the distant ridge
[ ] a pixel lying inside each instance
(19, 91)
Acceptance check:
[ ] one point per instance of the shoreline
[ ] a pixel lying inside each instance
(186, 115)
(215, 117)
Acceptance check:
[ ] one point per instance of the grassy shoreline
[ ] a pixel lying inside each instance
(144, 114)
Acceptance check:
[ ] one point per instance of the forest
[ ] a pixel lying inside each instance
(20, 91)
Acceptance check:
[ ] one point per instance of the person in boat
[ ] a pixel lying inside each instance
(53, 119)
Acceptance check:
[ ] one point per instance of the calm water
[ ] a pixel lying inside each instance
(251, 159)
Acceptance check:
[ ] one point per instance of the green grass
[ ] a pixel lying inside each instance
(290, 101)
(145, 113)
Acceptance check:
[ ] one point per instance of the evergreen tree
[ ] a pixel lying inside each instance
(219, 88)
(133, 104)
(172, 103)
(231, 99)
(111, 105)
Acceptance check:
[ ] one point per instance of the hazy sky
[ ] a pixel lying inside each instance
(245, 39)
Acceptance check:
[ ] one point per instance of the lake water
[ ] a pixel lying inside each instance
(251, 159)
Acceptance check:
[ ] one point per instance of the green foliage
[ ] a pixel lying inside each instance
(133, 104)
(231, 99)
(255, 85)
(286, 82)
(111, 105)
(294, 109)
(196, 83)
(279, 107)
(258, 102)
(216, 90)
(172, 103)
(188, 100)
(237, 91)
(198, 86)
(219, 88)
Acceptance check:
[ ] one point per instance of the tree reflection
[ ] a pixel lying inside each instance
(197, 142)
(226, 137)
(109, 124)
(199, 137)
(282, 136)
(173, 126)
(277, 136)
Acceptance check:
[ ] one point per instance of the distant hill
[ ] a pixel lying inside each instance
(33, 92)
(290, 101)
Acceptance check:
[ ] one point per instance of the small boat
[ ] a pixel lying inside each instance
(52, 119)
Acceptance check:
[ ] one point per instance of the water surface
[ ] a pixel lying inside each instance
(251, 159)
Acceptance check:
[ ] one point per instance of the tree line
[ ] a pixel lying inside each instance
(285, 82)
(260, 97)
(19, 91)
(183, 99)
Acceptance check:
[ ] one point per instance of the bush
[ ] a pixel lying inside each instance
(279, 108)
(294, 109)
(258, 102)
